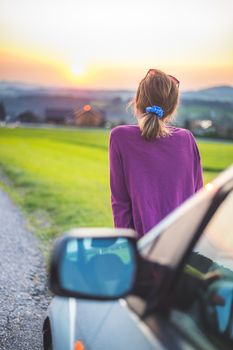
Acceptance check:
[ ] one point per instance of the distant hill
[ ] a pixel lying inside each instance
(217, 93)
(19, 97)
(17, 89)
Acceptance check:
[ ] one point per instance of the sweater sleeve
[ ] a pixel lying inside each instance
(198, 176)
(120, 200)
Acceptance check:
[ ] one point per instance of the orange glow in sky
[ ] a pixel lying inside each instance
(111, 44)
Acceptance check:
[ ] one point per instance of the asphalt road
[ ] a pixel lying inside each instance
(23, 295)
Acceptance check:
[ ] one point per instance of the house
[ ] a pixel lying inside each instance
(200, 127)
(58, 116)
(89, 116)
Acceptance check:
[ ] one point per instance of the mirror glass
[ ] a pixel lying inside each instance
(98, 267)
(219, 309)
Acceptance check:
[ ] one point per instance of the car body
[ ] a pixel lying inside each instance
(184, 293)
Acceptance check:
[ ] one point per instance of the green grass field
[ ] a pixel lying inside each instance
(60, 177)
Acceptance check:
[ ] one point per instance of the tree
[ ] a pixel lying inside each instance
(27, 117)
(2, 111)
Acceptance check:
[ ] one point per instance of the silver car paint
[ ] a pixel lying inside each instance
(106, 331)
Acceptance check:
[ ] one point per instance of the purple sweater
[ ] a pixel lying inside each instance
(148, 179)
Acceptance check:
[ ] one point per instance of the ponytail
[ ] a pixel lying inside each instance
(151, 127)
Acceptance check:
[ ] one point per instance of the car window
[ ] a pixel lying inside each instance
(207, 278)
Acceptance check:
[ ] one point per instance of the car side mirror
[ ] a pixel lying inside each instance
(94, 264)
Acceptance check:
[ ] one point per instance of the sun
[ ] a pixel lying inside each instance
(77, 69)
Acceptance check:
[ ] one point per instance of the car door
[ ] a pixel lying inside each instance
(206, 301)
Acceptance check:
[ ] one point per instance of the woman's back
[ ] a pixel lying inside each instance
(153, 167)
(151, 178)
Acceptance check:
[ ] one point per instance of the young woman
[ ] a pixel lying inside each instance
(154, 167)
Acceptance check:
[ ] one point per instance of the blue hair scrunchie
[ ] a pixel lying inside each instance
(156, 110)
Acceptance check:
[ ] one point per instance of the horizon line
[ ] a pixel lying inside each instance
(50, 86)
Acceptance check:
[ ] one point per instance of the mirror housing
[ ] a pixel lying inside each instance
(94, 263)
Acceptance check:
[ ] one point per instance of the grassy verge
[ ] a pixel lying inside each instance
(58, 172)
(61, 179)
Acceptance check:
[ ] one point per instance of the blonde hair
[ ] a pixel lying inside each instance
(156, 89)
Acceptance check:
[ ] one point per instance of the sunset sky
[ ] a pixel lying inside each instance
(111, 44)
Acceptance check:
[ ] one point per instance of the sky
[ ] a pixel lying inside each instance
(110, 44)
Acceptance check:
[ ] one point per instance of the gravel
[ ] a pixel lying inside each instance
(23, 293)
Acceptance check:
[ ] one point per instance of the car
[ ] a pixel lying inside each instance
(172, 289)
